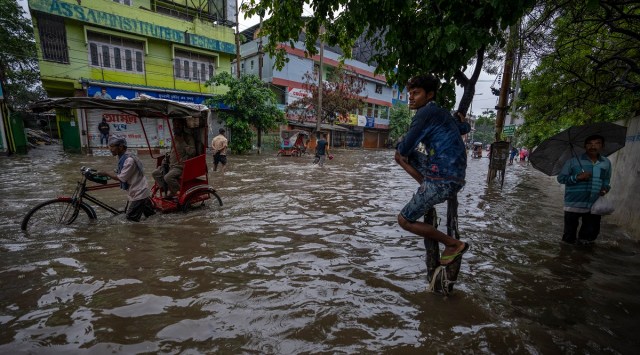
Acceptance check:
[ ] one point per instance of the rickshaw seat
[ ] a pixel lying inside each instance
(194, 169)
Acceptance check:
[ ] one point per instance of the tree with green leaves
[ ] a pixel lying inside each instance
(253, 105)
(399, 121)
(410, 37)
(19, 73)
(485, 127)
(588, 70)
(340, 96)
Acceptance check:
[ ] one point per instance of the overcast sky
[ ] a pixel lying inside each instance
(482, 100)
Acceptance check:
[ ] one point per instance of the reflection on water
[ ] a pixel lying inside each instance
(308, 260)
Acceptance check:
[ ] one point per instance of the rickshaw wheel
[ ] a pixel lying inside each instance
(202, 199)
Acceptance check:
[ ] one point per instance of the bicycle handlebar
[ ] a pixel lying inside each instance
(91, 175)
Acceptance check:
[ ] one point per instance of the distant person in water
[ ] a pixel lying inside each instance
(322, 149)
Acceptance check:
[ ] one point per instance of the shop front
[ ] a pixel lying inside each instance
(126, 124)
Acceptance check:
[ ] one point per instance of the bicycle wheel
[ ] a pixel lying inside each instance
(57, 212)
(207, 199)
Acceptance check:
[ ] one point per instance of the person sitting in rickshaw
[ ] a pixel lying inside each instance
(300, 144)
(167, 175)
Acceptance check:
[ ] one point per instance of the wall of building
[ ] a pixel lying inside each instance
(290, 81)
(625, 181)
(160, 33)
(157, 36)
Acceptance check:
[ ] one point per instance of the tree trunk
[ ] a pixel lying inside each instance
(469, 84)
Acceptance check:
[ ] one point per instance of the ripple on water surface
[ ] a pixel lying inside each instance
(302, 259)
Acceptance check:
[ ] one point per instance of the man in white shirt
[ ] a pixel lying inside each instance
(219, 147)
(130, 173)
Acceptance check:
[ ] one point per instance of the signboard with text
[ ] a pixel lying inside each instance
(509, 131)
(116, 92)
(297, 94)
(78, 12)
(129, 126)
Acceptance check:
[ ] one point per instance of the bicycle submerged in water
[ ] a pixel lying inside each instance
(65, 210)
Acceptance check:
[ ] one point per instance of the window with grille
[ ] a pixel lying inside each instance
(193, 66)
(53, 38)
(378, 88)
(384, 112)
(115, 53)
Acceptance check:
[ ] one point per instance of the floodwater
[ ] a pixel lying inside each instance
(307, 260)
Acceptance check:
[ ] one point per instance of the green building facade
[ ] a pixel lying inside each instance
(129, 48)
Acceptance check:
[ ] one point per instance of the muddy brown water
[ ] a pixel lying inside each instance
(305, 260)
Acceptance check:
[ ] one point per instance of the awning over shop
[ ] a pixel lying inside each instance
(150, 107)
(323, 126)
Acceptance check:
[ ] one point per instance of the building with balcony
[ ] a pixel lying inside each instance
(160, 48)
(367, 127)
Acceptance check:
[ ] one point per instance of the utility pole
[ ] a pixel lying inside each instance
(319, 118)
(517, 76)
(505, 90)
(238, 40)
(260, 52)
(260, 61)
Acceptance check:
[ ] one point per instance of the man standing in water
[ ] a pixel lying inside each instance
(586, 178)
(322, 148)
(219, 147)
(443, 175)
(130, 173)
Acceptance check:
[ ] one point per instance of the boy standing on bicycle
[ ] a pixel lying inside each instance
(130, 173)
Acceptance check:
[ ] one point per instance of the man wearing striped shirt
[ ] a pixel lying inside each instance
(586, 178)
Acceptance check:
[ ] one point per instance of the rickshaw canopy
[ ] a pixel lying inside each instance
(145, 107)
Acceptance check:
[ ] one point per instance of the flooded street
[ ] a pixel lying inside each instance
(302, 259)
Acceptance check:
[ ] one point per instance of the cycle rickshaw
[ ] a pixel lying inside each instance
(195, 190)
(292, 143)
(476, 150)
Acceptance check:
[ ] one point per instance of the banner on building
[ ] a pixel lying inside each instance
(116, 92)
(297, 94)
(371, 122)
(362, 120)
(353, 119)
(128, 126)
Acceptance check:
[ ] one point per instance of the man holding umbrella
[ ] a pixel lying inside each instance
(586, 177)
